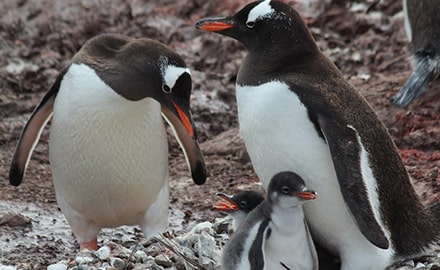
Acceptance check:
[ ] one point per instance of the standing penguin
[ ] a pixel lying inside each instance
(275, 234)
(108, 147)
(297, 112)
(422, 25)
(239, 205)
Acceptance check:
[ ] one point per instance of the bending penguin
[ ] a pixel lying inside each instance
(239, 205)
(297, 113)
(422, 26)
(275, 234)
(108, 146)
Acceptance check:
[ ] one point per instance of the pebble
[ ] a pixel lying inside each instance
(124, 252)
(103, 253)
(163, 260)
(84, 259)
(205, 249)
(420, 265)
(141, 256)
(156, 267)
(404, 268)
(204, 226)
(15, 220)
(57, 266)
(117, 263)
(7, 267)
(105, 266)
(153, 250)
(221, 225)
(80, 267)
(188, 252)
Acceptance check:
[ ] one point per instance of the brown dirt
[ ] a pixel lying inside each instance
(37, 38)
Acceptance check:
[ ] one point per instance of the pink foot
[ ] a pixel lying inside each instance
(92, 245)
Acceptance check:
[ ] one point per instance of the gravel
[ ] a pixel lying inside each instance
(200, 248)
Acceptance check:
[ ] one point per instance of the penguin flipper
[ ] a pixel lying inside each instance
(345, 148)
(416, 84)
(256, 252)
(31, 133)
(312, 247)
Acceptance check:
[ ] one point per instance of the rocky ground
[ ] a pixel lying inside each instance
(37, 38)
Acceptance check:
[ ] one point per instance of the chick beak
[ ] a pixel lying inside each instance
(227, 204)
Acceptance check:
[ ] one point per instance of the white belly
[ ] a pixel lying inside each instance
(288, 242)
(279, 136)
(108, 155)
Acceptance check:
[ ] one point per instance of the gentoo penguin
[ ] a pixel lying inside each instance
(297, 112)
(239, 205)
(275, 234)
(108, 147)
(422, 25)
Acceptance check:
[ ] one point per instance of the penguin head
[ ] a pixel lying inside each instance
(144, 68)
(264, 26)
(244, 201)
(287, 189)
(174, 98)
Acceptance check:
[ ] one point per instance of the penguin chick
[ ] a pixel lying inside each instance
(275, 234)
(239, 205)
(108, 147)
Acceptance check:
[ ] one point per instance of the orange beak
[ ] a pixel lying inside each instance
(214, 25)
(306, 195)
(185, 121)
(226, 205)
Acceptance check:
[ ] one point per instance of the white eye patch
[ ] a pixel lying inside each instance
(262, 10)
(171, 73)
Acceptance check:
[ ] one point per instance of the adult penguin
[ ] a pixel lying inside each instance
(108, 146)
(297, 112)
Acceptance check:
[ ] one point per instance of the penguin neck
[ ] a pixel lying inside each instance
(287, 220)
(237, 218)
(258, 68)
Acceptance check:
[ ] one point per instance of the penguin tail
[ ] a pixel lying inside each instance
(424, 72)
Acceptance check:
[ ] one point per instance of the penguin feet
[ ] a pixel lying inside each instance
(91, 245)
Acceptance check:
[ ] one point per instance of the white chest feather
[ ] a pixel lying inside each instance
(278, 133)
(288, 242)
(108, 154)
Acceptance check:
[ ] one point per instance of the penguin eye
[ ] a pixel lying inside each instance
(243, 204)
(285, 189)
(166, 89)
(250, 24)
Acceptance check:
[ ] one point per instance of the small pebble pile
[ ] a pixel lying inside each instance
(199, 249)
(431, 262)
